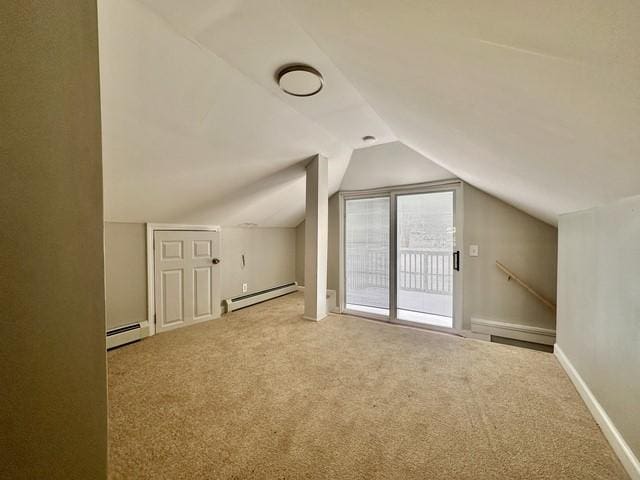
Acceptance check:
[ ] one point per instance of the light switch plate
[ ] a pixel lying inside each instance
(245, 287)
(473, 250)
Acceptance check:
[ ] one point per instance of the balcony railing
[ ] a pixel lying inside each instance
(419, 270)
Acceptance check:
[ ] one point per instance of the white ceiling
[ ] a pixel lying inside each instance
(536, 101)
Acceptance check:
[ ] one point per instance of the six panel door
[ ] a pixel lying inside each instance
(187, 277)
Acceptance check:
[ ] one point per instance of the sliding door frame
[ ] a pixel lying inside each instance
(455, 186)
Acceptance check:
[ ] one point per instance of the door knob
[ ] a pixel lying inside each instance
(215, 261)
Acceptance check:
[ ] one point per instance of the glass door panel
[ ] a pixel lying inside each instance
(425, 258)
(366, 259)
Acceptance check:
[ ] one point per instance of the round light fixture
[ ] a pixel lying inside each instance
(299, 80)
(369, 139)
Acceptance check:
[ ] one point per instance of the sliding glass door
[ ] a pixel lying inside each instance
(400, 258)
(367, 255)
(425, 258)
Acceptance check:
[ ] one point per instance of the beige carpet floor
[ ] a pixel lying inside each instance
(263, 394)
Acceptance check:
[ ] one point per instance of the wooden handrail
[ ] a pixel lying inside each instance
(548, 303)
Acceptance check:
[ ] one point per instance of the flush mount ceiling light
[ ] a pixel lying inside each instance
(369, 139)
(299, 80)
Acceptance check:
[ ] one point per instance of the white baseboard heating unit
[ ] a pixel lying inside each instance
(524, 333)
(242, 301)
(126, 334)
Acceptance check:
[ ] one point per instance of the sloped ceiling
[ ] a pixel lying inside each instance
(536, 102)
(195, 130)
(390, 164)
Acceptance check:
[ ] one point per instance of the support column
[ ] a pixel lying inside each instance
(316, 240)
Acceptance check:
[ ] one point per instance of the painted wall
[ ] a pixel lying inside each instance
(526, 245)
(599, 307)
(370, 168)
(333, 255)
(125, 264)
(333, 260)
(53, 399)
(300, 253)
(270, 260)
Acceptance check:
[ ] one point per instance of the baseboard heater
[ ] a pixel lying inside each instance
(126, 334)
(242, 301)
(514, 331)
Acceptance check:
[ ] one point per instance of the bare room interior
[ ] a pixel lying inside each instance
(338, 239)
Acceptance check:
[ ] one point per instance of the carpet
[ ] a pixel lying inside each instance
(263, 394)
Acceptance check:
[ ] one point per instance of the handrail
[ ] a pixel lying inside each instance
(548, 303)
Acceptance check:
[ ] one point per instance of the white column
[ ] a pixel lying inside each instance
(316, 240)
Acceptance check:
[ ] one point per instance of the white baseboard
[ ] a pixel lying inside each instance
(515, 331)
(620, 447)
(478, 336)
(331, 301)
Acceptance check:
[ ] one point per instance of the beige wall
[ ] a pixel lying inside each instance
(125, 245)
(524, 244)
(333, 256)
(270, 257)
(333, 260)
(300, 253)
(599, 307)
(53, 404)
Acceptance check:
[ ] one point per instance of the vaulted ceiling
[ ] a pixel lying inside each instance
(536, 102)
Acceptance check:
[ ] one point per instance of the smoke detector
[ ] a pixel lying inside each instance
(300, 80)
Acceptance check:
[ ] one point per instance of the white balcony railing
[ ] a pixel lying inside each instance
(419, 270)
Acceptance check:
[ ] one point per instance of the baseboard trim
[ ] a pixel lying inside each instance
(312, 319)
(332, 301)
(515, 331)
(485, 337)
(611, 433)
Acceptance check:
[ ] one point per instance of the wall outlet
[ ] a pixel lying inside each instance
(473, 250)
(245, 287)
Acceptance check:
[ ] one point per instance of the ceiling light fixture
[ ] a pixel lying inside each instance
(369, 139)
(299, 80)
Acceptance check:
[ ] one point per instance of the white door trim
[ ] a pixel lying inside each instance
(151, 228)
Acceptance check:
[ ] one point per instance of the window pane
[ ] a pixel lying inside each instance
(426, 237)
(367, 254)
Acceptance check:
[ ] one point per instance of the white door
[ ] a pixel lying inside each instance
(187, 277)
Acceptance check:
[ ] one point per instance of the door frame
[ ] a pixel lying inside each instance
(151, 229)
(392, 193)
